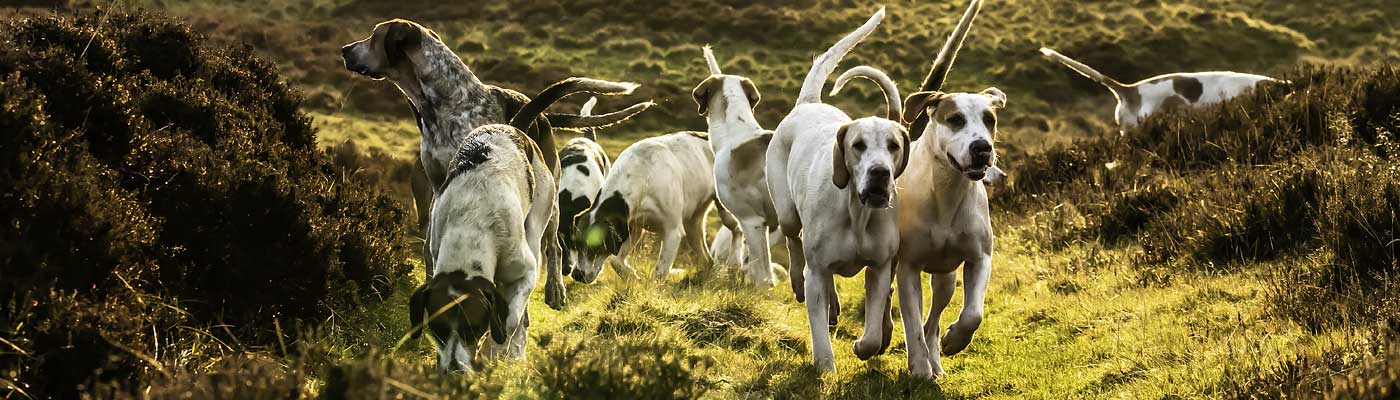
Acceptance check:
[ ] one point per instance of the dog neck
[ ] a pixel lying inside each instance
(860, 215)
(734, 124)
(444, 92)
(946, 186)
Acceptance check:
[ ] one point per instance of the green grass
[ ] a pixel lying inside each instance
(1067, 315)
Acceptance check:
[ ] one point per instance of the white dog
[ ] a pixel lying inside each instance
(583, 166)
(1163, 92)
(944, 221)
(832, 182)
(662, 184)
(487, 225)
(739, 145)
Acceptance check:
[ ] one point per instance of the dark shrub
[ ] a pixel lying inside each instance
(156, 183)
(652, 368)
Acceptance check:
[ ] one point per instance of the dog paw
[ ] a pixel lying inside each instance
(955, 340)
(920, 369)
(554, 294)
(867, 348)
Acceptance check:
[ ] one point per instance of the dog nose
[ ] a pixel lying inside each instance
(345, 51)
(981, 152)
(879, 174)
(981, 146)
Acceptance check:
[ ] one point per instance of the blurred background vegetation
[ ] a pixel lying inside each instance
(171, 171)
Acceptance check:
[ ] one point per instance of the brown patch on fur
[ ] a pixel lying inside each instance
(1188, 87)
(1172, 103)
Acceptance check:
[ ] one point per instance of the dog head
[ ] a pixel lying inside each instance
(718, 92)
(963, 127)
(601, 234)
(470, 308)
(385, 53)
(872, 152)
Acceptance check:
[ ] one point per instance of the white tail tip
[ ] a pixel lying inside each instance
(1046, 51)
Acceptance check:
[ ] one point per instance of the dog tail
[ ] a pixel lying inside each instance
(575, 121)
(587, 110)
(944, 62)
(527, 115)
(710, 59)
(1082, 69)
(825, 64)
(938, 73)
(893, 107)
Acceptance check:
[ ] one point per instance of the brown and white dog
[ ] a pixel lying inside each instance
(449, 101)
(1139, 100)
(944, 220)
(488, 224)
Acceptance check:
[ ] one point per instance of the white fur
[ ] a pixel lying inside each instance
(739, 145)
(827, 228)
(668, 187)
(488, 216)
(1216, 86)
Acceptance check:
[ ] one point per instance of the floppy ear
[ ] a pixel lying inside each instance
(417, 307)
(840, 174)
(914, 107)
(751, 91)
(701, 93)
(400, 37)
(498, 308)
(904, 151)
(998, 97)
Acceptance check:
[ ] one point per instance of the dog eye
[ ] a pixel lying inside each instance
(859, 145)
(989, 119)
(957, 121)
(893, 146)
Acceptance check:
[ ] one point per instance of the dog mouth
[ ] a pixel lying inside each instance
(875, 198)
(974, 173)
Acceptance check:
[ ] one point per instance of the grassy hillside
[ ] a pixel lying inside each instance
(1238, 252)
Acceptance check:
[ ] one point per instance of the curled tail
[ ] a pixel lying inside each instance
(587, 110)
(524, 118)
(574, 121)
(825, 64)
(893, 106)
(1082, 69)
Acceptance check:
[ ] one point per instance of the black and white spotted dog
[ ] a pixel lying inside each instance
(488, 225)
(662, 184)
(449, 101)
(1139, 100)
(583, 165)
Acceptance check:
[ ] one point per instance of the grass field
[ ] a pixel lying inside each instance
(1069, 314)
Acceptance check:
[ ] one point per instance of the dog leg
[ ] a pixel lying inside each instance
(756, 258)
(554, 295)
(796, 265)
(911, 303)
(822, 356)
(975, 276)
(943, 285)
(670, 246)
(695, 239)
(619, 263)
(878, 325)
(423, 201)
(737, 235)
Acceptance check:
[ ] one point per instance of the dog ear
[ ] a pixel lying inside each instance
(998, 97)
(499, 309)
(701, 93)
(904, 151)
(399, 37)
(417, 307)
(751, 91)
(914, 107)
(840, 174)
